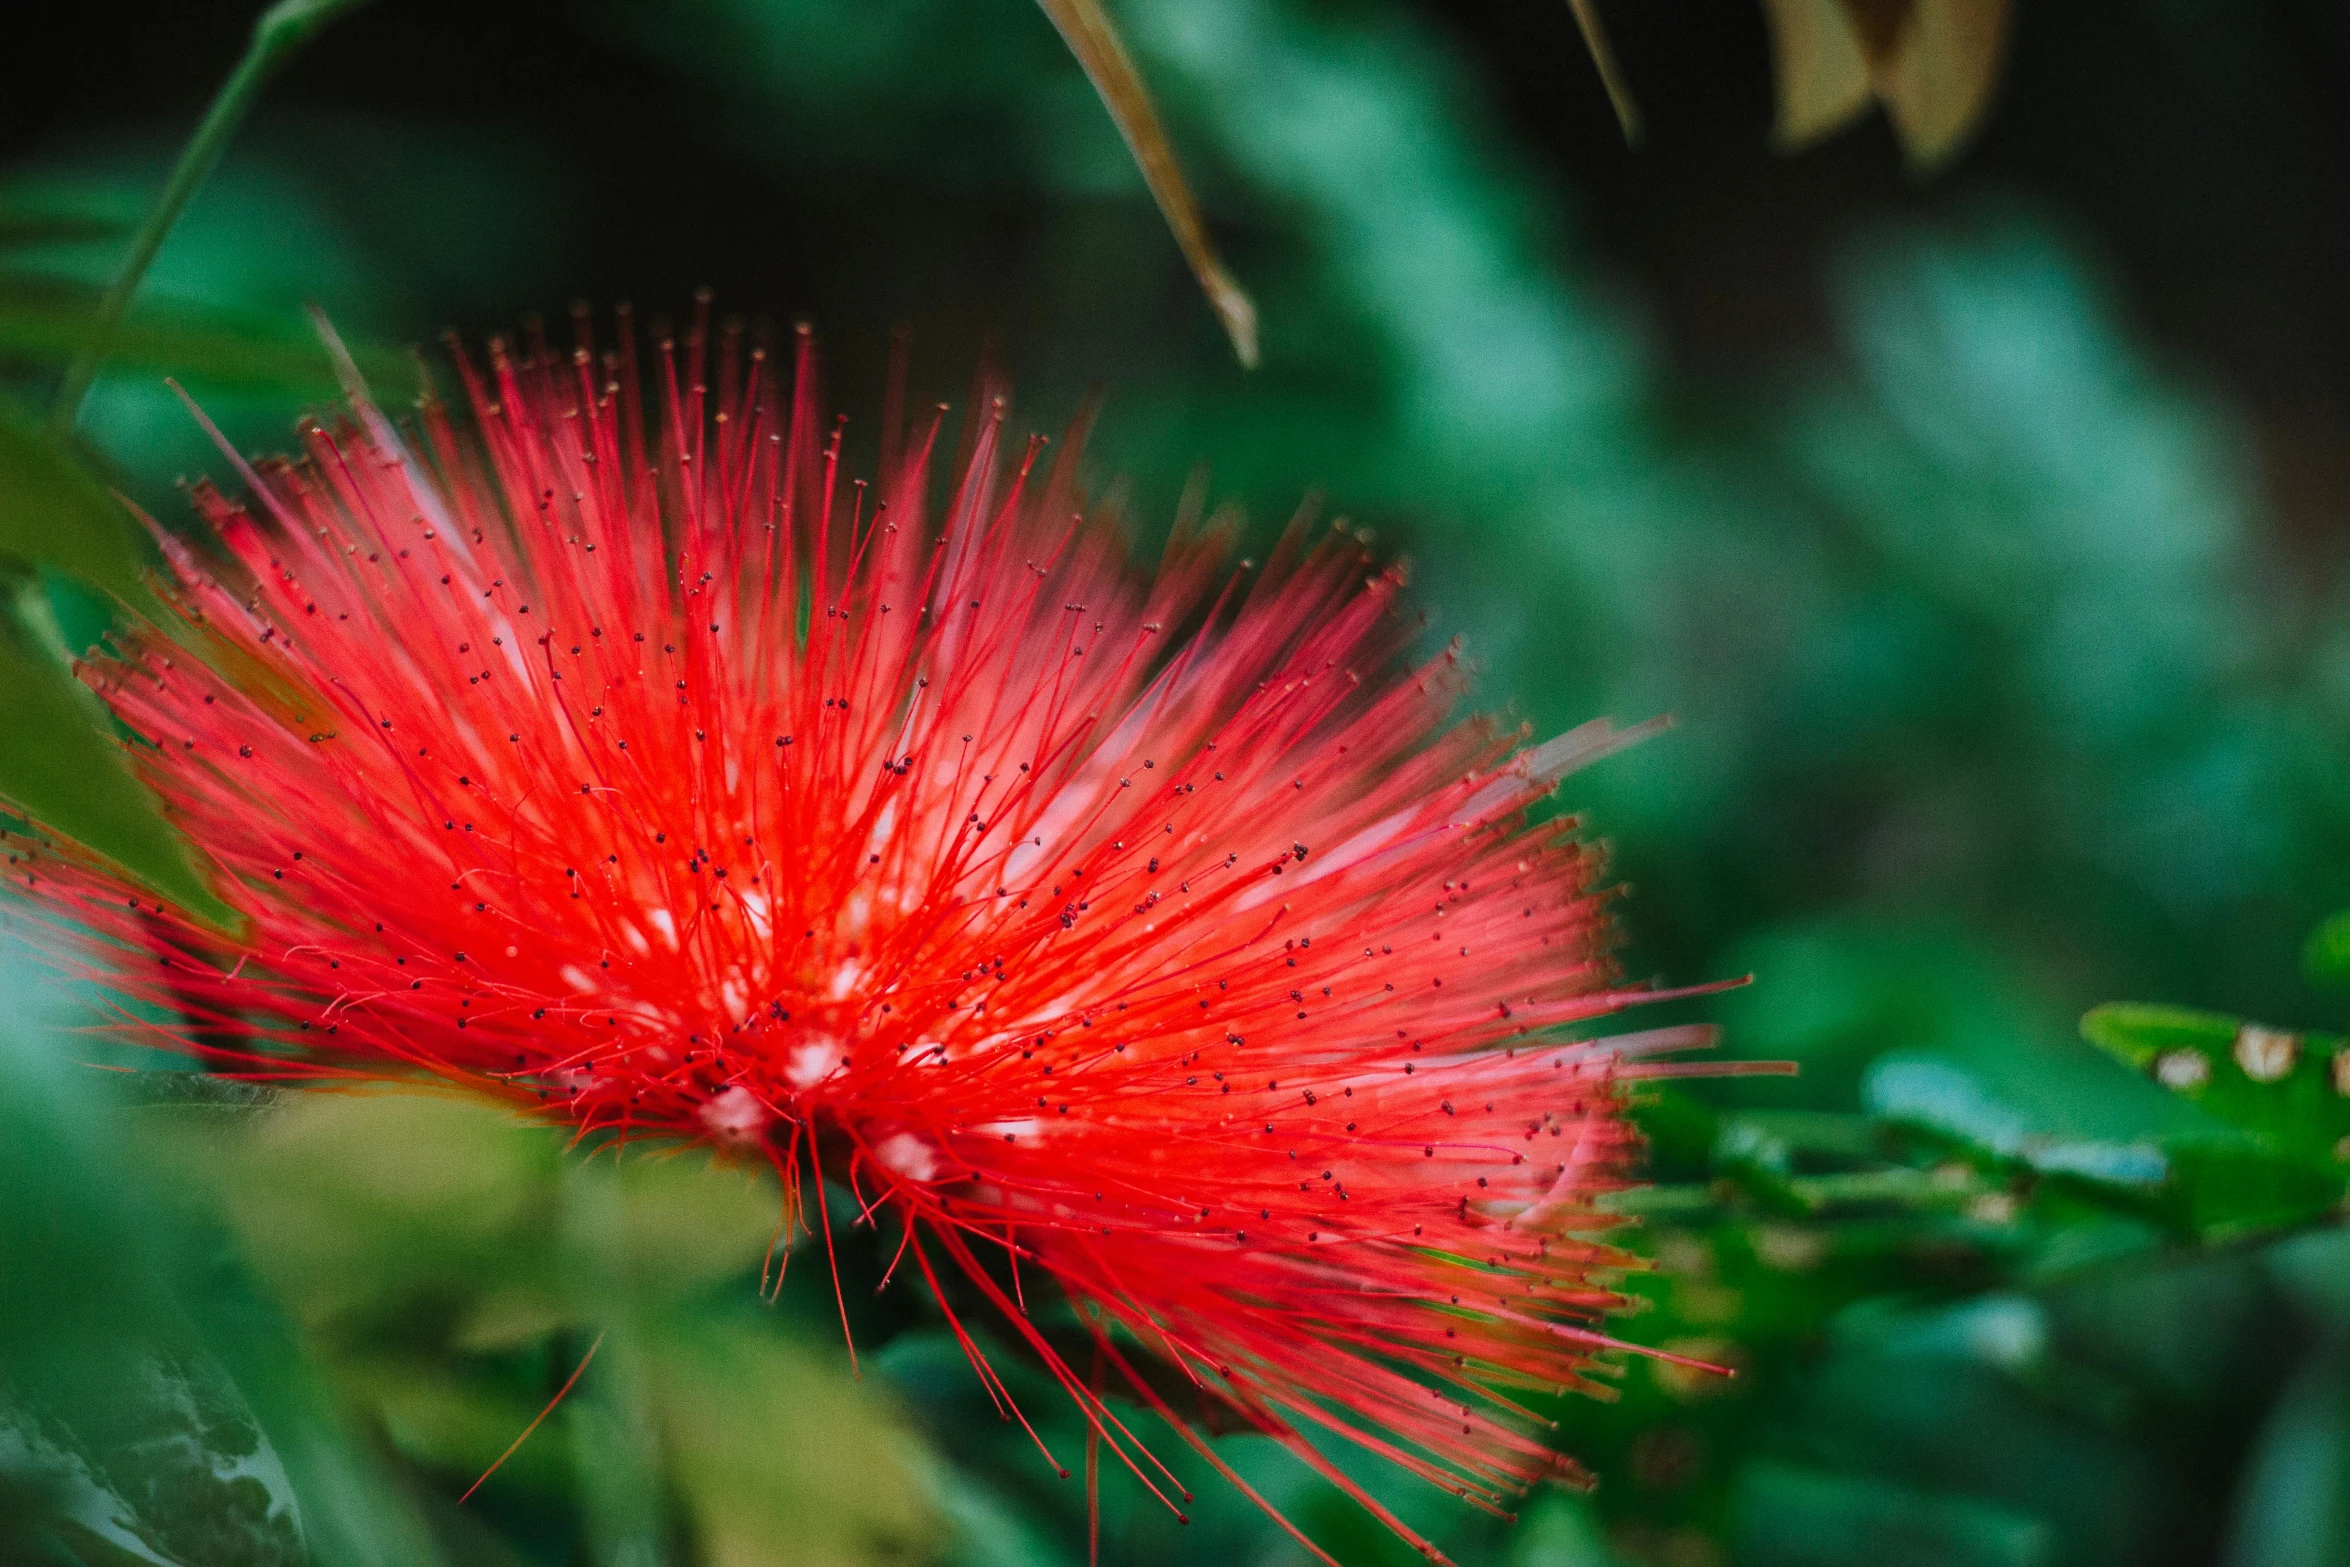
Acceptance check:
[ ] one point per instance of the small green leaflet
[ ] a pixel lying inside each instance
(54, 514)
(59, 767)
(2325, 957)
(2289, 1089)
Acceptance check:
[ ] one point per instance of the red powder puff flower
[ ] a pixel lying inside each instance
(1162, 933)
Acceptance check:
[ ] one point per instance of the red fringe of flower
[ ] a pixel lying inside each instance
(1160, 932)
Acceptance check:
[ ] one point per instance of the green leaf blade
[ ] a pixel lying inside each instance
(62, 771)
(54, 514)
(2138, 1034)
(2291, 1090)
(2325, 957)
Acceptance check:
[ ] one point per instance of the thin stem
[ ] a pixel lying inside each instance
(1086, 28)
(569, 1383)
(277, 37)
(1611, 73)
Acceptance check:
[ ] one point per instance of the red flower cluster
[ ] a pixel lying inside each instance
(1161, 931)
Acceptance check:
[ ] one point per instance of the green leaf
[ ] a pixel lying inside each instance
(779, 1456)
(2140, 1034)
(1951, 1103)
(53, 513)
(24, 225)
(2325, 957)
(1559, 1530)
(44, 324)
(154, 1455)
(60, 769)
(2292, 1506)
(1819, 1518)
(2286, 1088)
(1680, 1132)
(151, 1402)
(2223, 1189)
(1747, 1155)
(366, 1207)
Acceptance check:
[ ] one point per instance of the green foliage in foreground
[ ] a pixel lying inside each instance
(257, 1326)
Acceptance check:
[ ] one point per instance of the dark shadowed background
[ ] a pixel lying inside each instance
(1986, 534)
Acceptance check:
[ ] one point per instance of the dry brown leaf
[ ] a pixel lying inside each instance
(1936, 78)
(1931, 63)
(1823, 77)
(1091, 36)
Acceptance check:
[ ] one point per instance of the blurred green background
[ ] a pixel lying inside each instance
(1987, 535)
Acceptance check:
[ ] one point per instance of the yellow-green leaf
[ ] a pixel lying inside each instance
(780, 1457)
(352, 1197)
